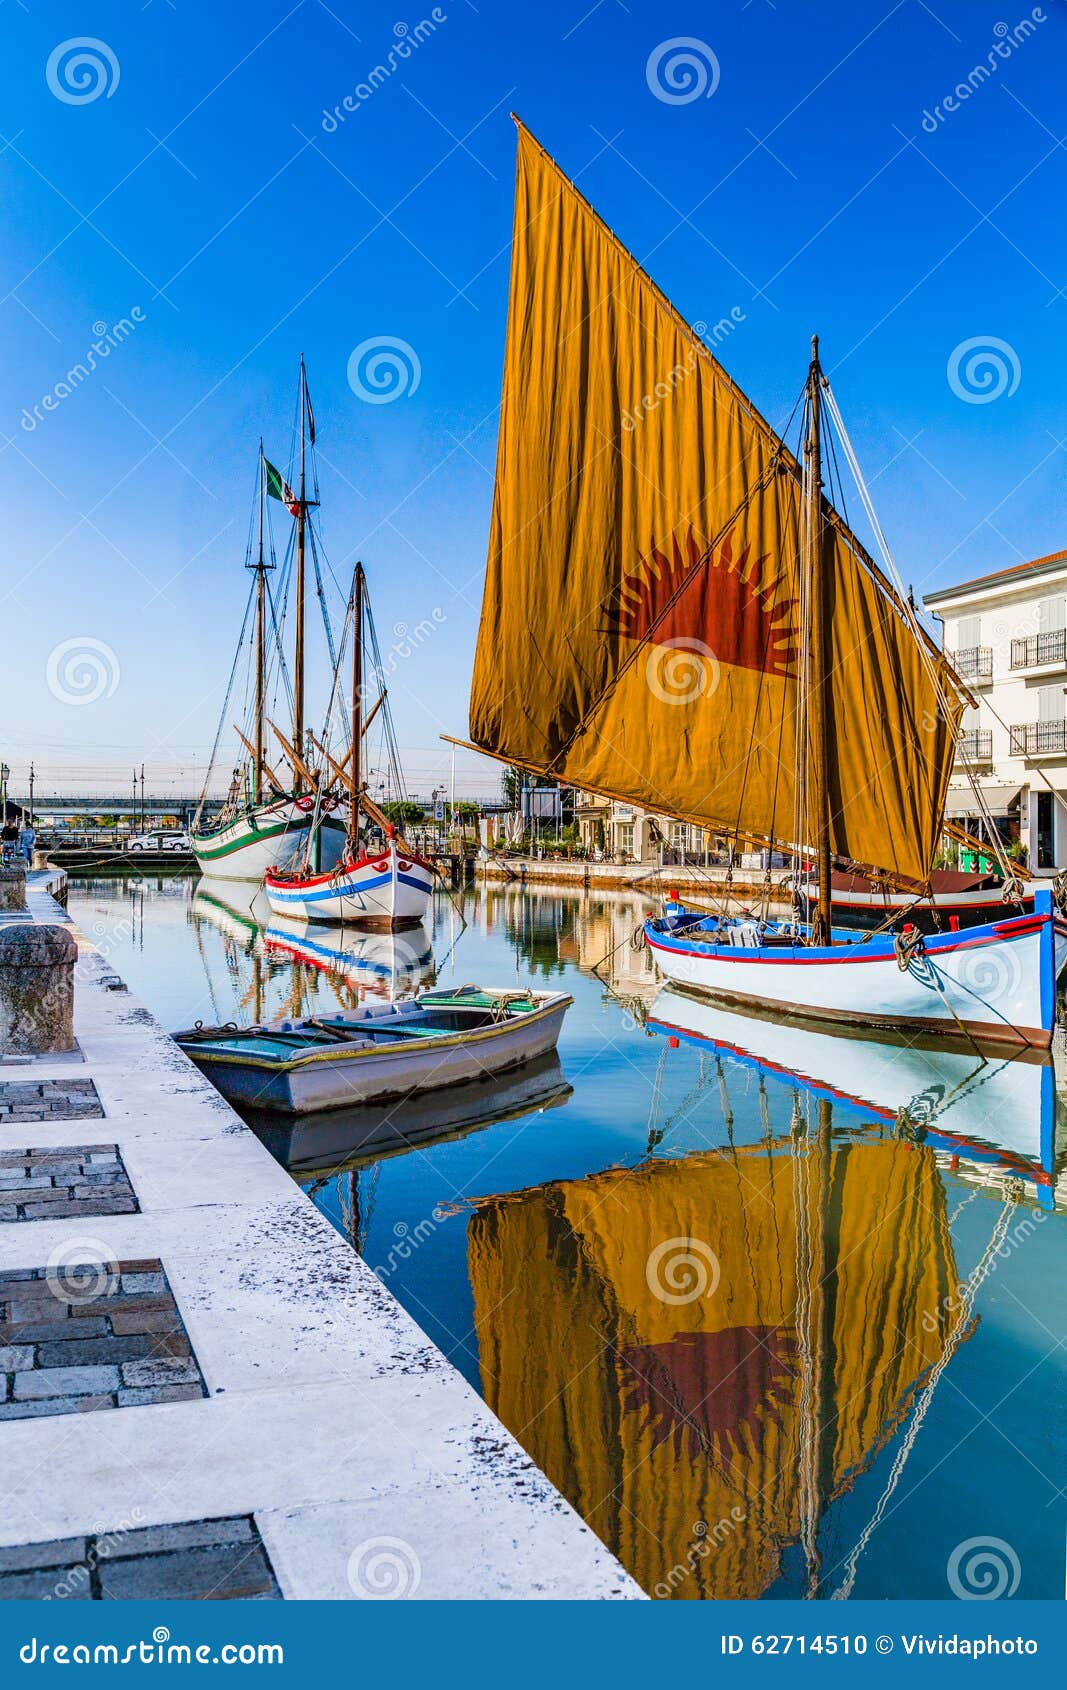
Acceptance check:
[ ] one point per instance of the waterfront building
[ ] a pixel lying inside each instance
(626, 833)
(1007, 633)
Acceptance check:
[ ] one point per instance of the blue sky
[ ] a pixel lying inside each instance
(205, 191)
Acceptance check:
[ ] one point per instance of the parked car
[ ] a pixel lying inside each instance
(160, 842)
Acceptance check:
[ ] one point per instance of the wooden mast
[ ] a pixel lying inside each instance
(818, 725)
(356, 764)
(301, 525)
(261, 646)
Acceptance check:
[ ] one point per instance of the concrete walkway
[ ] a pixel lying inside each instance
(245, 1381)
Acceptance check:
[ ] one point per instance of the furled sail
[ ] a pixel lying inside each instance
(642, 629)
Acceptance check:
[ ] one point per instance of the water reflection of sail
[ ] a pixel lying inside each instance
(736, 1335)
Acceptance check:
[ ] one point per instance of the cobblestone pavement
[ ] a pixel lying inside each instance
(48, 1100)
(92, 1335)
(60, 1182)
(201, 1560)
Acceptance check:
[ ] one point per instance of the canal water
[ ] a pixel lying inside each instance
(782, 1313)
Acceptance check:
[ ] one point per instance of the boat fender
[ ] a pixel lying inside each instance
(907, 945)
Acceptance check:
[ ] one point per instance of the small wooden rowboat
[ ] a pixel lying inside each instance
(374, 1054)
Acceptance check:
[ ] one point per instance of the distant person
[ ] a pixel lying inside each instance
(27, 840)
(9, 841)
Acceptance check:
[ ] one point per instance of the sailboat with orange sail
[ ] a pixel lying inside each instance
(676, 616)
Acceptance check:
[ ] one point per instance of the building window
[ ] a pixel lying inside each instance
(679, 836)
(624, 837)
(1052, 616)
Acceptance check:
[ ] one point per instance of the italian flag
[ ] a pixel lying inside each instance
(278, 488)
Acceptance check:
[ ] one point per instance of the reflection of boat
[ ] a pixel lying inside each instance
(375, 1053)
(737, 1334)
(991, 1109)
(350, 1138)
(388, 964)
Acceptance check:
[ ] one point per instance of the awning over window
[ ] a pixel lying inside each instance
(1000, 801)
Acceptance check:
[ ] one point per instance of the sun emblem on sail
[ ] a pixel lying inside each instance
(713, 1393)
(700, 607)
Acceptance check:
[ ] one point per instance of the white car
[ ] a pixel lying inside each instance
(160, 842)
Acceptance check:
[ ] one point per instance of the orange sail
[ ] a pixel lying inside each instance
(642, 624)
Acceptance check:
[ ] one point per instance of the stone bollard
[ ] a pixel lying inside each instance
(36, 990)
(12, 888)
(40, 859)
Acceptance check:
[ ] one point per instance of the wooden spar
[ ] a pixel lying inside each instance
(298, 659)
(815, 565)
(340, 767)
(354, 778)
(261, 645)
(300, 768)
(265, 765)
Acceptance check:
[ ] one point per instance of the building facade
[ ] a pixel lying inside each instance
(1007, 634)
(626, 833)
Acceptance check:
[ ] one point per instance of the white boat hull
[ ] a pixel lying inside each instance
(338, 1076)
(273, 836)
(384, 891)
(996, 982)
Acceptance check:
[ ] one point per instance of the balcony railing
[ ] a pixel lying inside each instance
(1037, 649)
(1039, 739)
(976, 747)
(975, 663)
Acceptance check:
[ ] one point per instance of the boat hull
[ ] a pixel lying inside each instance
(337, 1077)
(380, 892)
(273, 836)
(995, 982)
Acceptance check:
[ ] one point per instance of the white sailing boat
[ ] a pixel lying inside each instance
(378, 885)
(675, 616)
(267, 815)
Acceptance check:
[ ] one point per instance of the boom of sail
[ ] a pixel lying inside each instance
(647, 618)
